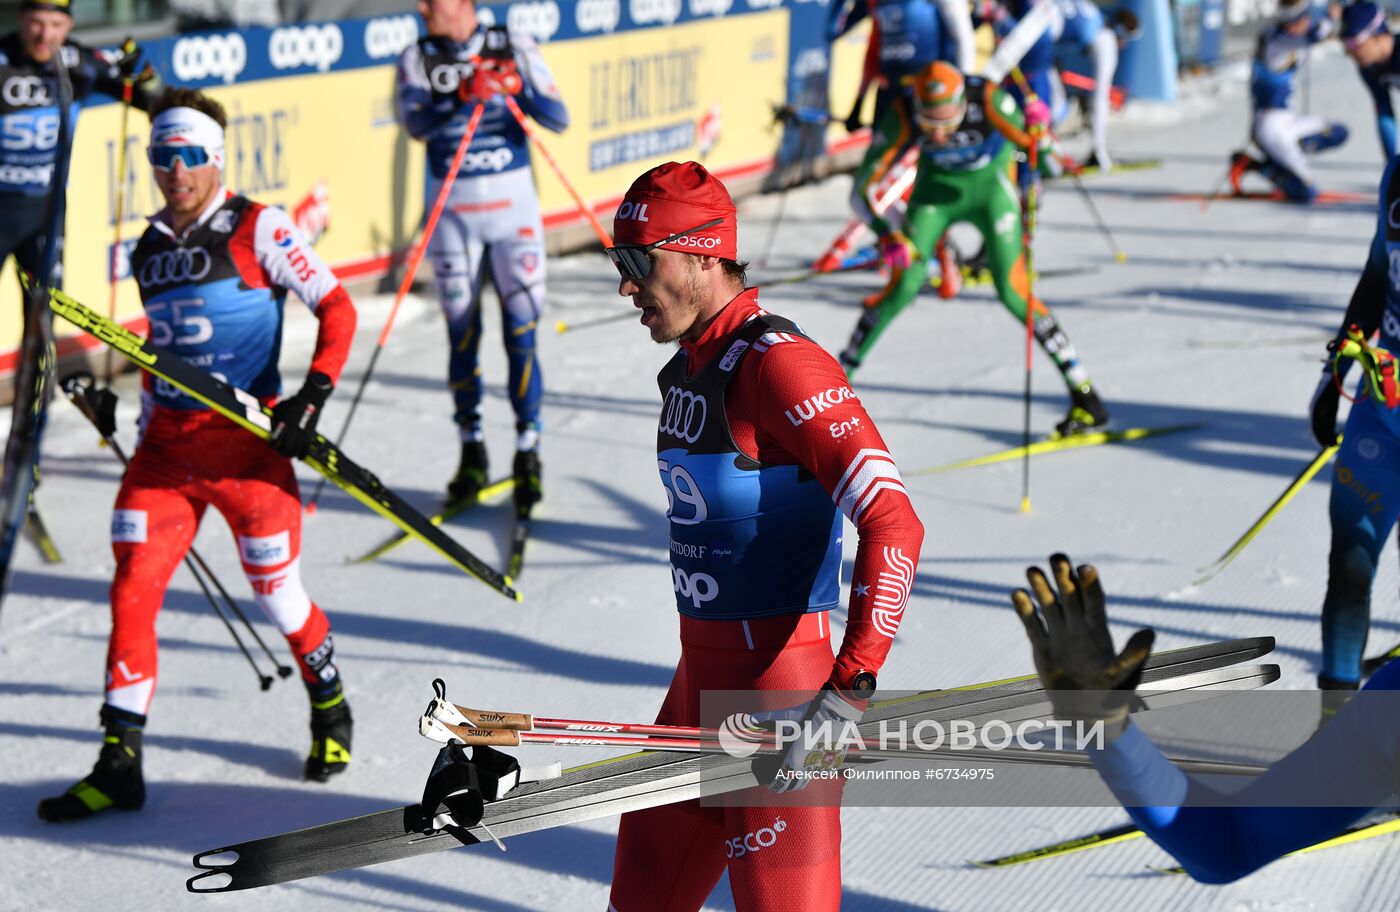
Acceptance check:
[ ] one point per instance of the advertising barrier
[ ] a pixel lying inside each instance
(311, 122)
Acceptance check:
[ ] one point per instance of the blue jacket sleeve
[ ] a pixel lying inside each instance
(539, 97)
(843, 16)
(417, 106)
(1218, 840)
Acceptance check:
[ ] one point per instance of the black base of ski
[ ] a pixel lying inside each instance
(519, 537)
(245, 410)
(38, 532)
(1388, 824)
(449, 511)
(646, 779)
(1376, 663)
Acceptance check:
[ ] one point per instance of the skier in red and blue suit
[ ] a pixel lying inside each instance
(214, 269)
(762, 447)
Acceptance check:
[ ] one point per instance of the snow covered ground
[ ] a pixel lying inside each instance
(1218, 317)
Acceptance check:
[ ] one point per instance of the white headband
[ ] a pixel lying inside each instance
(188, 127)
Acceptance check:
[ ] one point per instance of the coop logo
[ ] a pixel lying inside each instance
(710, 7)
(220, 57)
(683, 415)
(597, 15)
(756, 841)
(317, 46)
(698, 587)
(265, 550)
(129, 526)
(169, 267)
(539, 20)
(26, 91)
(488, 160)
(645, 12)
(813, 406)
(389, 37)
(764, 4)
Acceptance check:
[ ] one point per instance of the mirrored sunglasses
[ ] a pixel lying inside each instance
(632, 260)
(163, 158)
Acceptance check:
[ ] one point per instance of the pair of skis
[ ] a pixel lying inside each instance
(650, 778)
(246, 411)
(1058, 445)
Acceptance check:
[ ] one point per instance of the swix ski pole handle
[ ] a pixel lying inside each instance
(486, 718)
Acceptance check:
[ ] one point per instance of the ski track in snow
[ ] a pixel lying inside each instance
(1218, 317)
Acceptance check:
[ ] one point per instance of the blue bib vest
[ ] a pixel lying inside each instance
(748, 540)
(200, 307)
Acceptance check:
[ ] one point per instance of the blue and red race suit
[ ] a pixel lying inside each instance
(763, 447)
(214, 295)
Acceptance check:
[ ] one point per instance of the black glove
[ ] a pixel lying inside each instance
(98, 403)
(1324, 409)
(294, 419)
(1072, 647)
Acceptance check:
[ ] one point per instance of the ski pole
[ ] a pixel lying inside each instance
(128, 84)
(283, 671)
(561, 326)
(1118, 253)
(534, 138)
(1028, 239)
(1298, 483)
(78, 387)
(442, 732)
(414, 259)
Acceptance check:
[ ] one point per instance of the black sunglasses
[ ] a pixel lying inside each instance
(632, 261)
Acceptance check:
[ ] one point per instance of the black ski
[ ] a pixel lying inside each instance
(449, 511)
(34, 376)
(519, 537)
(651, 778)
(38, 532)
(1376, 663)
(243, 409)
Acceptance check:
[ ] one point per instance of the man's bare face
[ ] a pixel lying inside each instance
(41, 31)
(672, 298)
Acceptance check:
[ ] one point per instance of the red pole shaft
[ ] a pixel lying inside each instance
(534, 138)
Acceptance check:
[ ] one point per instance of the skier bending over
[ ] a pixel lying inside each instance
(1215, 843)
(970, 132)
(214, 269)
(1282, 134)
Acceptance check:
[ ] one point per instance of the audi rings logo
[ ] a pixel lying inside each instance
(317, 46)
(185, 264)
(597, 15)
(648, 11)
(710, 7)
(445, 77)
(703, 242)
(220, 57)
(389, 37)
(26, 91)
(539, 19)
(683, 415)
(741, 736)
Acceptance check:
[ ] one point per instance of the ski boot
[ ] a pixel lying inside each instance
(1335, 694)
(528, 491)
(950, 279)
(115, 782)
(1240, 165)
(471, 472)
(331, 730)
(1086, 413)
(976, 271)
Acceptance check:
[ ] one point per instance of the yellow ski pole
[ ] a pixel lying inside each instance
(1305, 476)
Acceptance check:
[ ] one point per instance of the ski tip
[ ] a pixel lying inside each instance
(213, 877)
